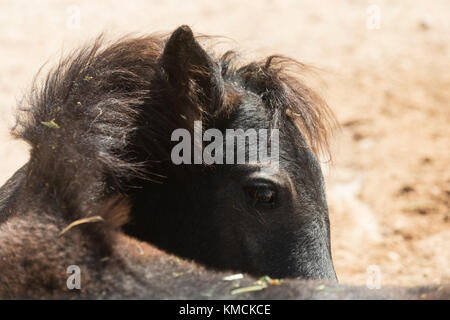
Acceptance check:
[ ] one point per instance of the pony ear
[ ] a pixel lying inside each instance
(190, 71)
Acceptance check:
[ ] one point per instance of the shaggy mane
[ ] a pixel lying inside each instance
(276, 79)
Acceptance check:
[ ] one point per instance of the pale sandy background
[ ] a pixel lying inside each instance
(389, 185)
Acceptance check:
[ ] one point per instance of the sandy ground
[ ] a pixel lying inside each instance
(388, 83)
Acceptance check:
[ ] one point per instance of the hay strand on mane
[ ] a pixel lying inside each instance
(81, 221)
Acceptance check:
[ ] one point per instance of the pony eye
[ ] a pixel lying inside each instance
(262, 195)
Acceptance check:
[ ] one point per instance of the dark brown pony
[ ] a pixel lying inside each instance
(100, 126)
(103, 123)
